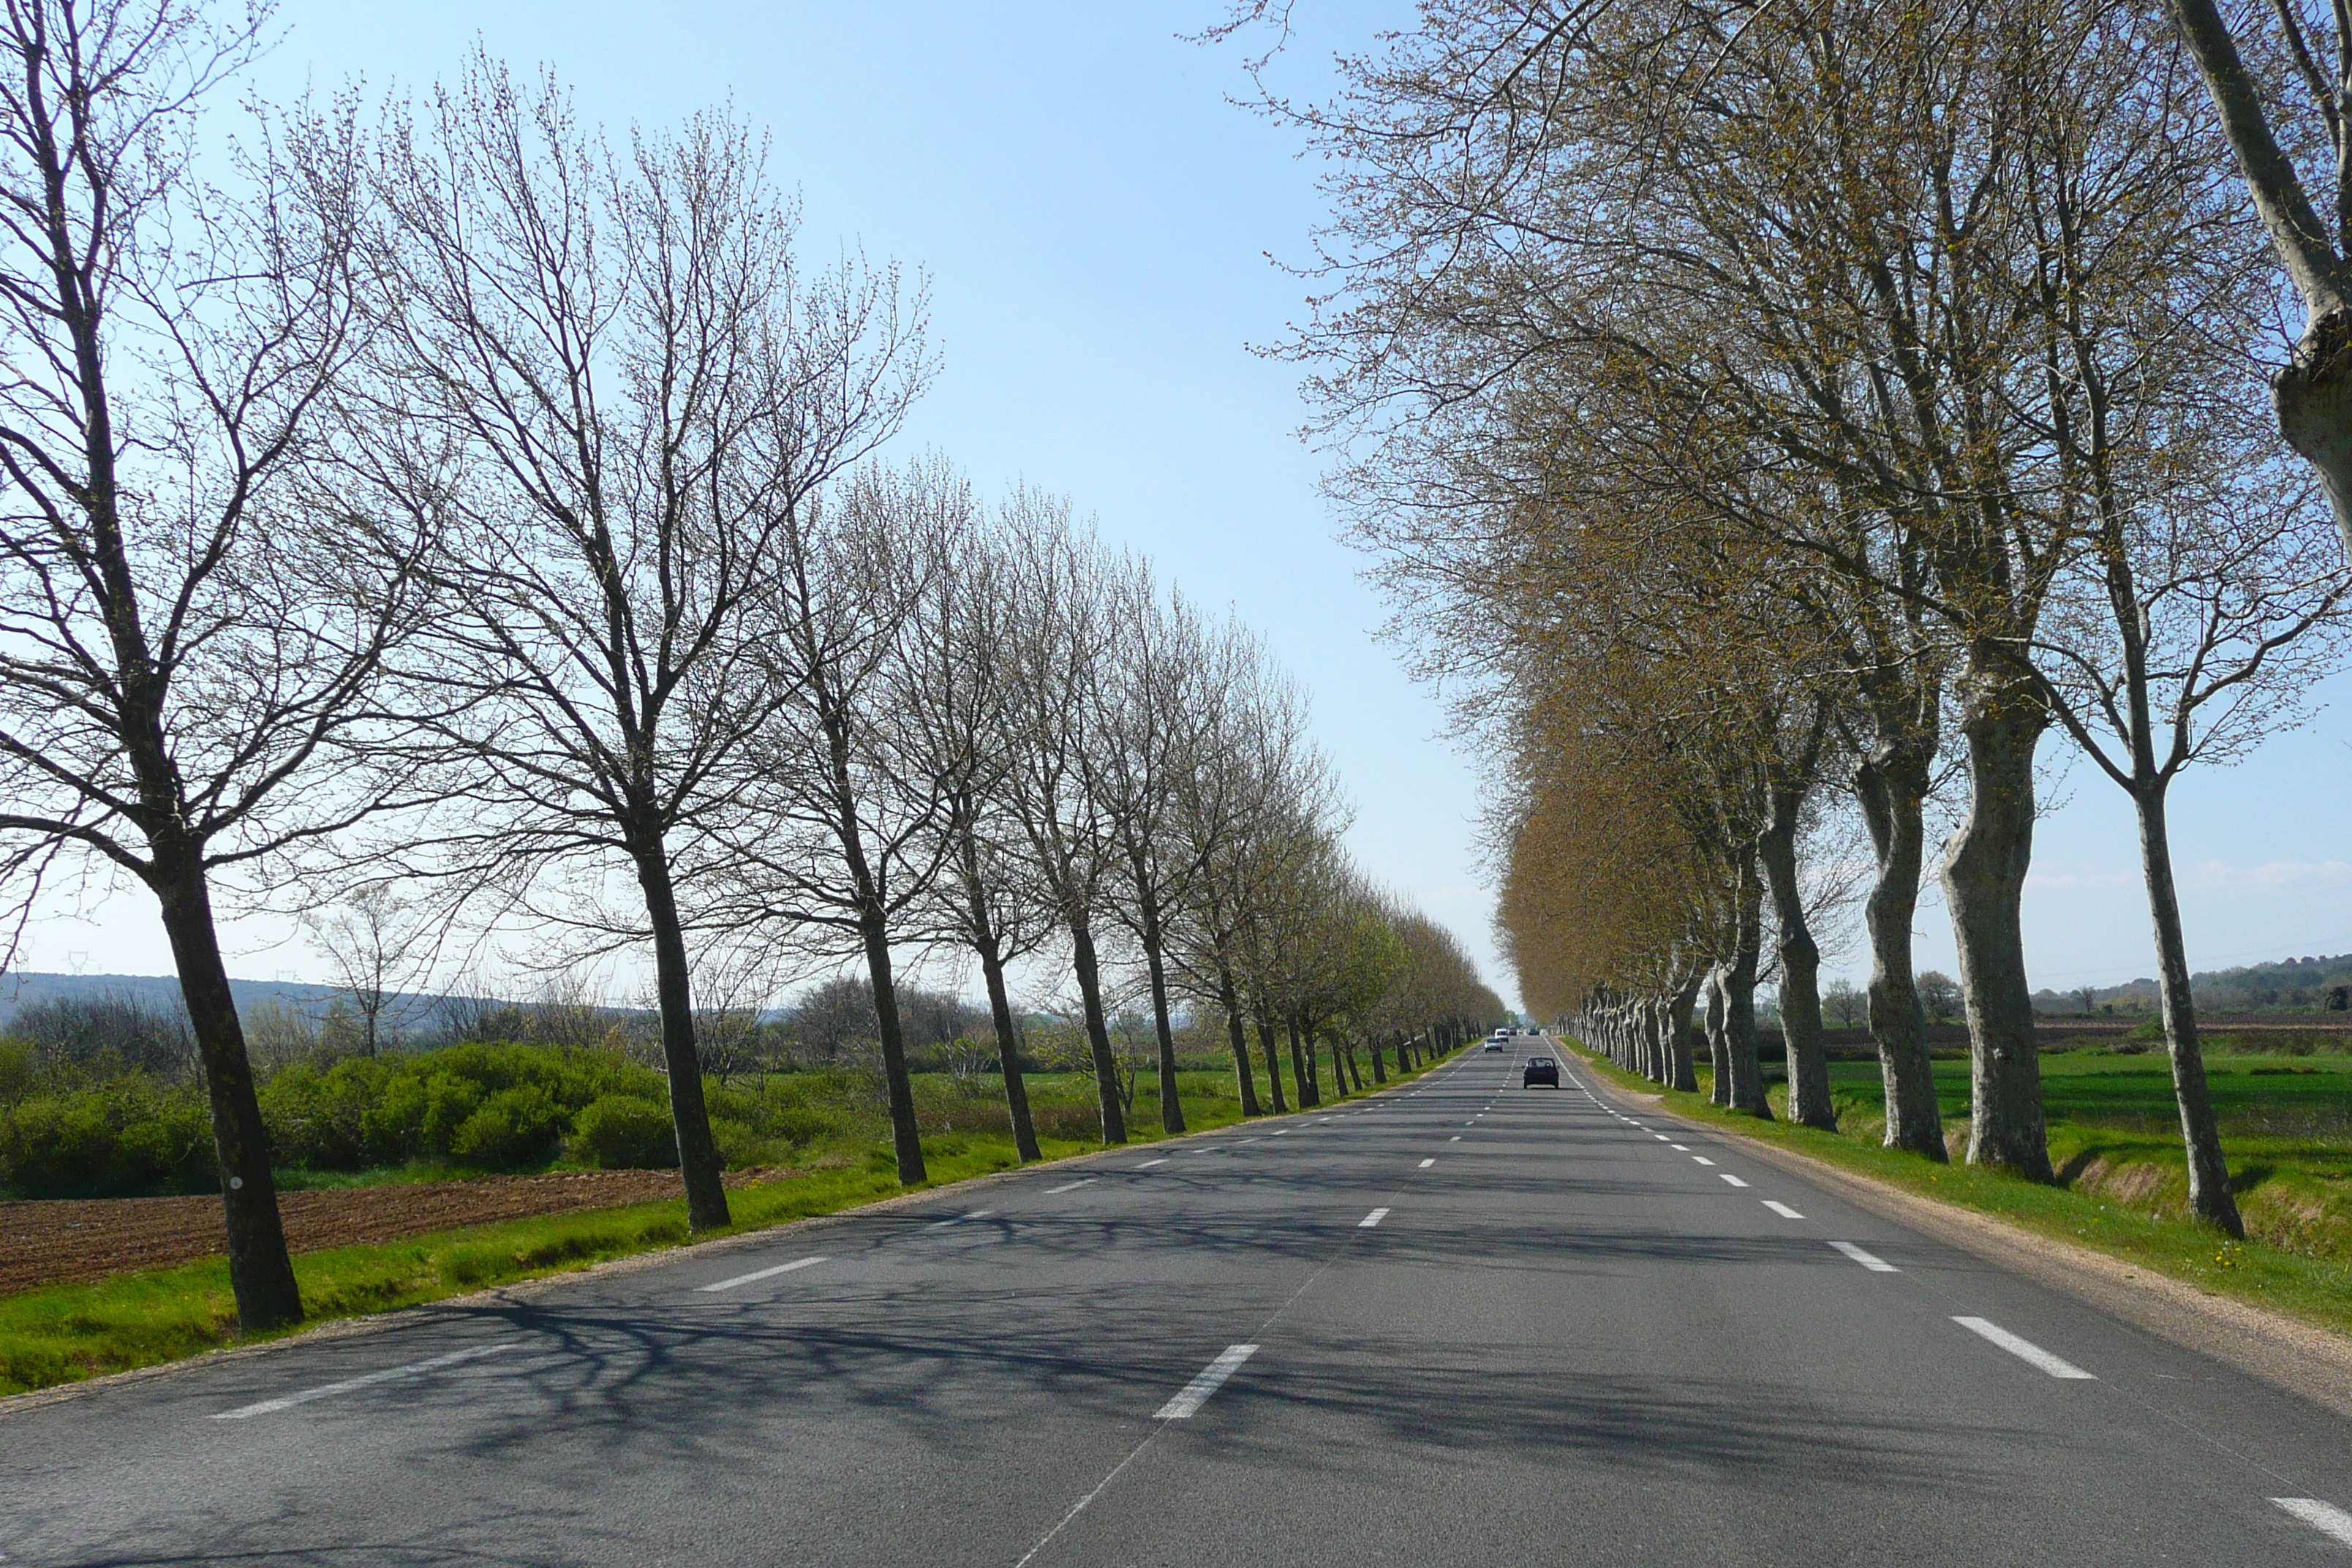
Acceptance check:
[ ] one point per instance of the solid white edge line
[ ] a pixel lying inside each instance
(2024, 1349)
(1734, 1181)
(413, 1369)
(758, 1274)
(1068, 1187)
(1210, 1377)
(1783, 1210)
(2324, 1517)
(1371, 1219)
(1869, 1260)
(1425, 1164)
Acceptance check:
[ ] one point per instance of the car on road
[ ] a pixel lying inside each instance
(1493, 1044)
(1540, 1069)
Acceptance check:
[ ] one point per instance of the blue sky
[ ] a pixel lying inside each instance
(1096, 219)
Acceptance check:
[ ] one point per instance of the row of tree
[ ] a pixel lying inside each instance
(1816, 408)
(438, 503)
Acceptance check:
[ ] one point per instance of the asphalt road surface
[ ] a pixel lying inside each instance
(1461, 1323)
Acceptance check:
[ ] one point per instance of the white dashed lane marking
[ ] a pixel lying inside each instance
(1211, 1377)
(1869, 1260)
(1732, 1179)
(959, 1218)
(1148, 1163)
(2024, 1349)
(1783, 1210)
(758, 1274)
(2324, 1517)
(1069, 1186)
(1425, 1164)
(1702, 1159)
(414, 1369)
(1371, 1219)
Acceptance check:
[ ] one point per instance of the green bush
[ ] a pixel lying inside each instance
(17, 1067)
(126, 1136)
(621, 1131)
(515, 1127)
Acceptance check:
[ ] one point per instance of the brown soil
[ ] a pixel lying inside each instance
(73, 1241)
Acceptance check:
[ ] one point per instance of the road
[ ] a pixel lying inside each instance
(1464, 1322)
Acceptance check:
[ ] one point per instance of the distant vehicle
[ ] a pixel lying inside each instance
(1540, 1069)
(1493, 1044)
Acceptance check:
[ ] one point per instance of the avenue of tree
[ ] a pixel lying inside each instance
(1819, 414)
(440, 512)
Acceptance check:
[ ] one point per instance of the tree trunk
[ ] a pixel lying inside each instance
(1379, 1073)
(1984, 881)
(906, 1135)
(1740, 999)
(1082, 953)
(1302, 1067)
(2210, 1197)
(1008, 1053)
(260, 1272)
(1273, 1063)
(1801, 965)
(1893, 804)
(1678, 1039)
(1719, 1038)
(1239, 1035)
(697, 1151)
(1171, 1111)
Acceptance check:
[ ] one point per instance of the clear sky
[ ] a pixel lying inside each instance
(1095, 219)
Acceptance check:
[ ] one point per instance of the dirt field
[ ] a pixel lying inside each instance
(74, 1241)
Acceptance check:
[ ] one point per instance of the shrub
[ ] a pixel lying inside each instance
(621, 1131)
(16, 1070)
(514, 1127)
(127, 1136)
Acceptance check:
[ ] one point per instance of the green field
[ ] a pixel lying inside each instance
(2114, 1139)
(65, 1333)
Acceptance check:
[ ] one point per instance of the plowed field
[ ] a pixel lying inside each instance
(70, 1241)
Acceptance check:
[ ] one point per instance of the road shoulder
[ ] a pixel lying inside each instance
(2299, 1358)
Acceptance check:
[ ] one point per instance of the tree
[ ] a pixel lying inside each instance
(192, 625)
(2311, 395)
(376, 951)
(609, 381)
(2225, 601)
(1939, 993)
(1848, 1006)
(841, 841)
(1054, 731)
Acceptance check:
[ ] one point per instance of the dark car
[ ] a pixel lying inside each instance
(1540, 1069)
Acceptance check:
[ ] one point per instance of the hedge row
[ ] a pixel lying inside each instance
(477, 1107)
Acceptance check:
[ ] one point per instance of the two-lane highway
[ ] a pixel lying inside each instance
(1463, 1322)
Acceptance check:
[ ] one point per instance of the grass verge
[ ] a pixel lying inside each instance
(2316, 1288)
(68, 1333)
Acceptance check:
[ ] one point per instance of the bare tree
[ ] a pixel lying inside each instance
(191, 626)
(609, 375)
(2213, 603)
(377, 951)
(840, 843)
(1053, 729)
(955, 694)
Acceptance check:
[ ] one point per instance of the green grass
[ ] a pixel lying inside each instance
(67, 1332)
(2115, 1141)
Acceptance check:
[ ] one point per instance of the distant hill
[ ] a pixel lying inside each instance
(25, 988)
(2288, 984)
